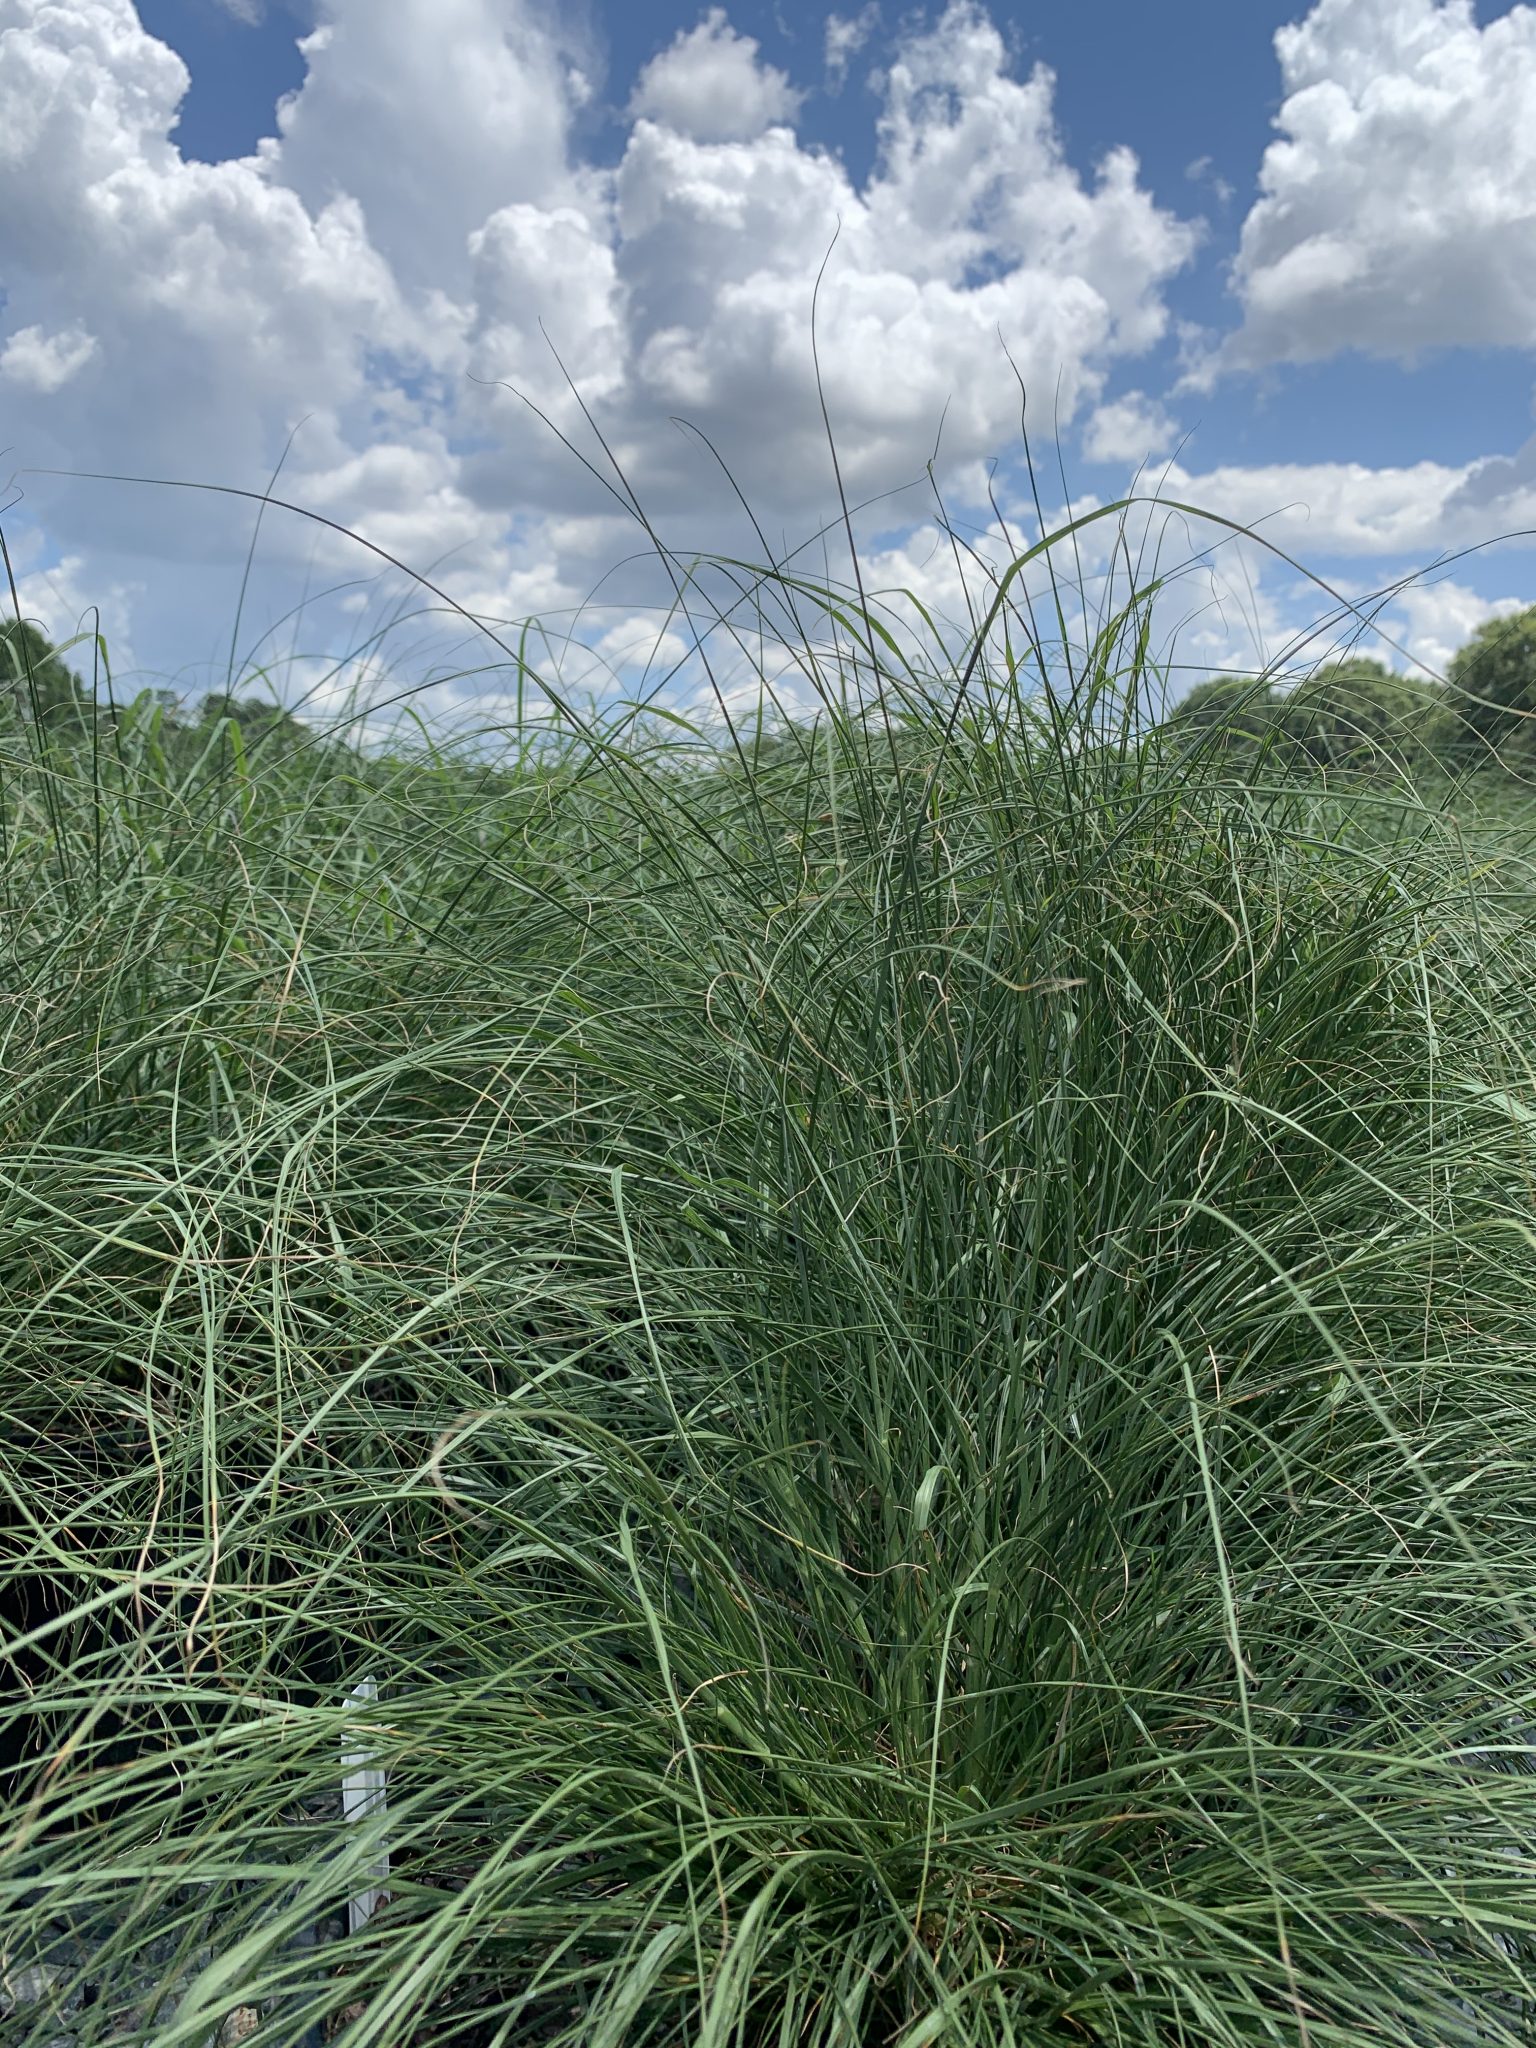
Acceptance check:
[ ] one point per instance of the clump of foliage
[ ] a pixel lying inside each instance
(1227, 715)
(36, 685)
(1354, 714)
(1494, 683)
(41, 694)
(254, 715)
(1358, 714)
(906, 1356)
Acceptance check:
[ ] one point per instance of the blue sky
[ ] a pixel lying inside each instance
(1314, 276)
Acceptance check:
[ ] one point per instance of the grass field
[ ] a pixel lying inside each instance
(906, 1356)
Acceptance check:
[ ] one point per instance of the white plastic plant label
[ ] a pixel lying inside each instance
(362, 1798)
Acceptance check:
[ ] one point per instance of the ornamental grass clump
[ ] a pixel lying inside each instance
(888, 1375)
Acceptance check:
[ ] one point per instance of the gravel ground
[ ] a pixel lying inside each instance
(65, 1984)
(86, 1976)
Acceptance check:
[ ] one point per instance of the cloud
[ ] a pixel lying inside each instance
(971, 226)
(1407, 512)
(846, 35)
(642, 645)
(710, 85)
(560, 260)
(1203, 171)
(1394, 211)
(44, 363)
(1439, 617)
(222, 302)
(423, 226)
(66, 598)
(1232, 611)
(1129, 429)
(228, 308)
(1231, 603)
(1497, 484)
(1332, 508)
(429, 114)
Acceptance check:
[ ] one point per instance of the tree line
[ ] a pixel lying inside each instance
(40, 690)
(1350, 713)
(1358, 711)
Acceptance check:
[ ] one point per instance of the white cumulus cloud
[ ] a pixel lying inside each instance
(1440, 616)
(42, 362)
(430, 114)
(1395, 210)
(1128, 429)
(69, 601)
(845, 36)
(712, 85)
(424, 226)
(972, 226)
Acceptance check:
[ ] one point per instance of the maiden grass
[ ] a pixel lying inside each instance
(906, 1354)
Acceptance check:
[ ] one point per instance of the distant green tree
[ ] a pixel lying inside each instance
(1231, 714)
(253, 715)
(34, 681)
(1358, 713)
(1493, 691)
